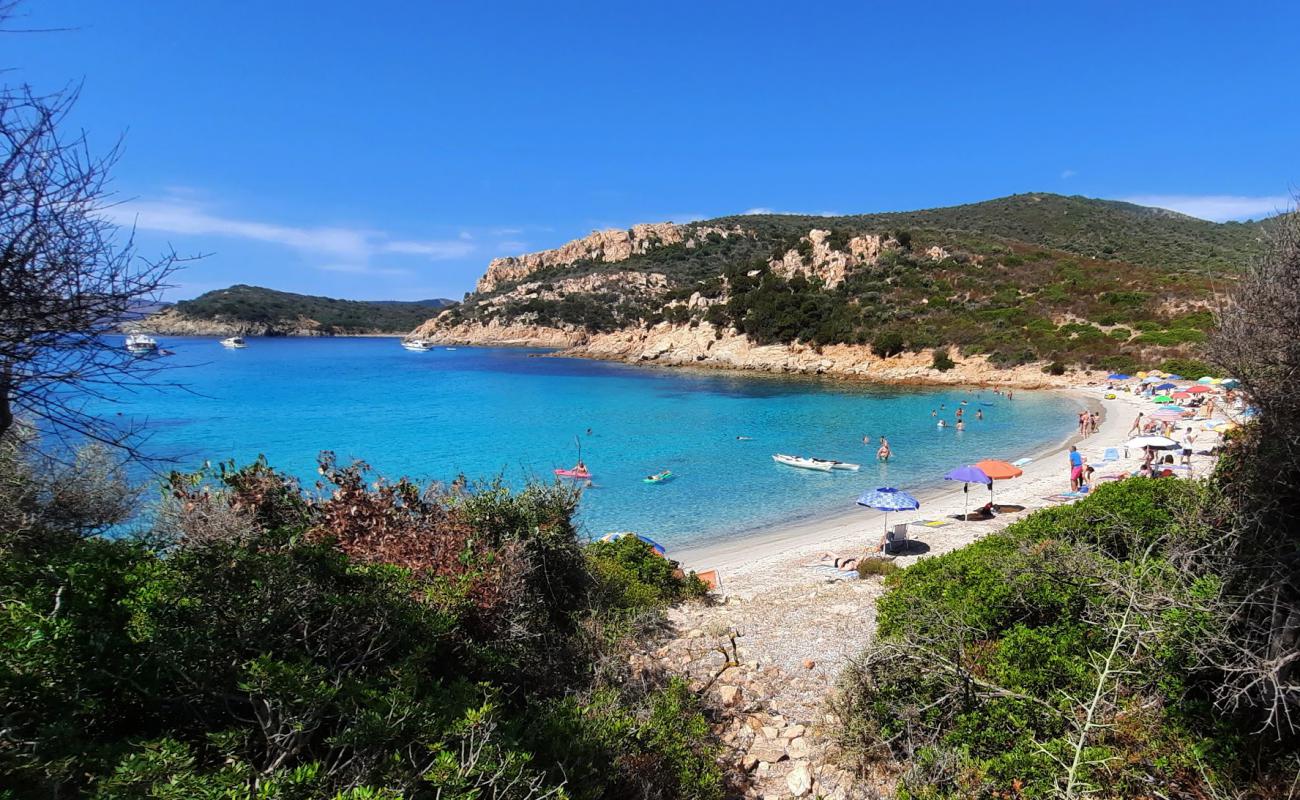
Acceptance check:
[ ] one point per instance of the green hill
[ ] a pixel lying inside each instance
(1103, 229)
(260, 310)
(1023, 278)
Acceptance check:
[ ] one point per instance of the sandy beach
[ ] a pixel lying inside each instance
(797, 622)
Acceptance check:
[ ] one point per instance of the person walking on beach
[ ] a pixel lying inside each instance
(1189, 439)
(1136, 427)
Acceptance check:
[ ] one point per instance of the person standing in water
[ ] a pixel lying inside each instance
(884, 452)
(979, 413)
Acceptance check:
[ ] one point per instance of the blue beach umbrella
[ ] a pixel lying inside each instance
(1230, 383)
(888, 499)
(1152, 379)
(967, 475)
(1175, 377)
(1118, 376)
(1163, 386)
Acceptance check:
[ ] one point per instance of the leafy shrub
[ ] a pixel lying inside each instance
(1055, 368)
(630, 575)
(1187, 367)
(876, 566)
(377, 641)
(942, 360)
(989, 657)
(888, 344)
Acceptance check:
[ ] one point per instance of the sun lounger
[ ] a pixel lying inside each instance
(1020, 462)
(1111, 454)
(896, 539)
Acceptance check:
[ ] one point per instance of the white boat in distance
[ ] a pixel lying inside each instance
(418, 345)
(234, 342)
(819, 464)
(141, 344)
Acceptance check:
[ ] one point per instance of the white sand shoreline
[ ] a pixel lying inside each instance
(828, 530)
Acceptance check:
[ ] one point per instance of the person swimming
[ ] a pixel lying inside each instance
(979, 413)
(943, 423)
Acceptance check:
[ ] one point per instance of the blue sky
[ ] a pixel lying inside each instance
(390, 149)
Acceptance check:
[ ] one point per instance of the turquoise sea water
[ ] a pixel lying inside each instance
(484, 411)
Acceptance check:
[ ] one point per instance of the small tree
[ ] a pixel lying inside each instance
(1258, 342)
(887, 344)
(66, 277)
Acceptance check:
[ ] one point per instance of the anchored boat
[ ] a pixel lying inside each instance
(418, 345)
(804, 463)
(141, 344)
(819, 464)
(234, 342)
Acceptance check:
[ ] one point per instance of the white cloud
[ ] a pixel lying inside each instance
(512, 247)
(1066, 174)
(348, 245)
(764, 210)
(363, 269)
(1216, 207)
(434, 250)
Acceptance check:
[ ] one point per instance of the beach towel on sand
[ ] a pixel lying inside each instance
(931, 523)
(833, 572)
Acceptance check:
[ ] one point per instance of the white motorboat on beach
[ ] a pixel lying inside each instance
(141, 344)
(804, 463)
(418, 345)
(234, 342)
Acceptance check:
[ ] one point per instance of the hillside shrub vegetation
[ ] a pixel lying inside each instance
(362, 640)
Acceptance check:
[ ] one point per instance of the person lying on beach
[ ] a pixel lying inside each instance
(839, 563)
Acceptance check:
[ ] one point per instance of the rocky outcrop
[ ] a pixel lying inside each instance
(626, 283)
(826, 262)
(172, 323)
(706, 346)
(497, 333)
(608, 246)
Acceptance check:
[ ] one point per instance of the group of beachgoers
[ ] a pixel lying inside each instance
(959, 415)
(1089, 423)
(883, 452)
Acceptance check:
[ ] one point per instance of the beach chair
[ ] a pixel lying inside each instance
(897, 538)
(1111, 454)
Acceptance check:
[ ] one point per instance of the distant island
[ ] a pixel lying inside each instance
(1012, 289)
(256, 311)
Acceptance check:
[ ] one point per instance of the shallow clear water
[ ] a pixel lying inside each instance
(484, 411)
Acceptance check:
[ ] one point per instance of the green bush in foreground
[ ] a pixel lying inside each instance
(375, 641)
(1056, 657)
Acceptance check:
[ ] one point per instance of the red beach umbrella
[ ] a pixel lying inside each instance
(1197, 389)
(998, 471)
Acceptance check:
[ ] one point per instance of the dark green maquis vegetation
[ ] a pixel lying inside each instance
(1027, 278)
(361, 640)
(1074, 654)
(1143, 642)
(255, 305)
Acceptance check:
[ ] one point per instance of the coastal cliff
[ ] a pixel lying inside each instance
(1013, 291)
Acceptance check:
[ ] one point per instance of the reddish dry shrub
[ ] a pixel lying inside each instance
(402, 525)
